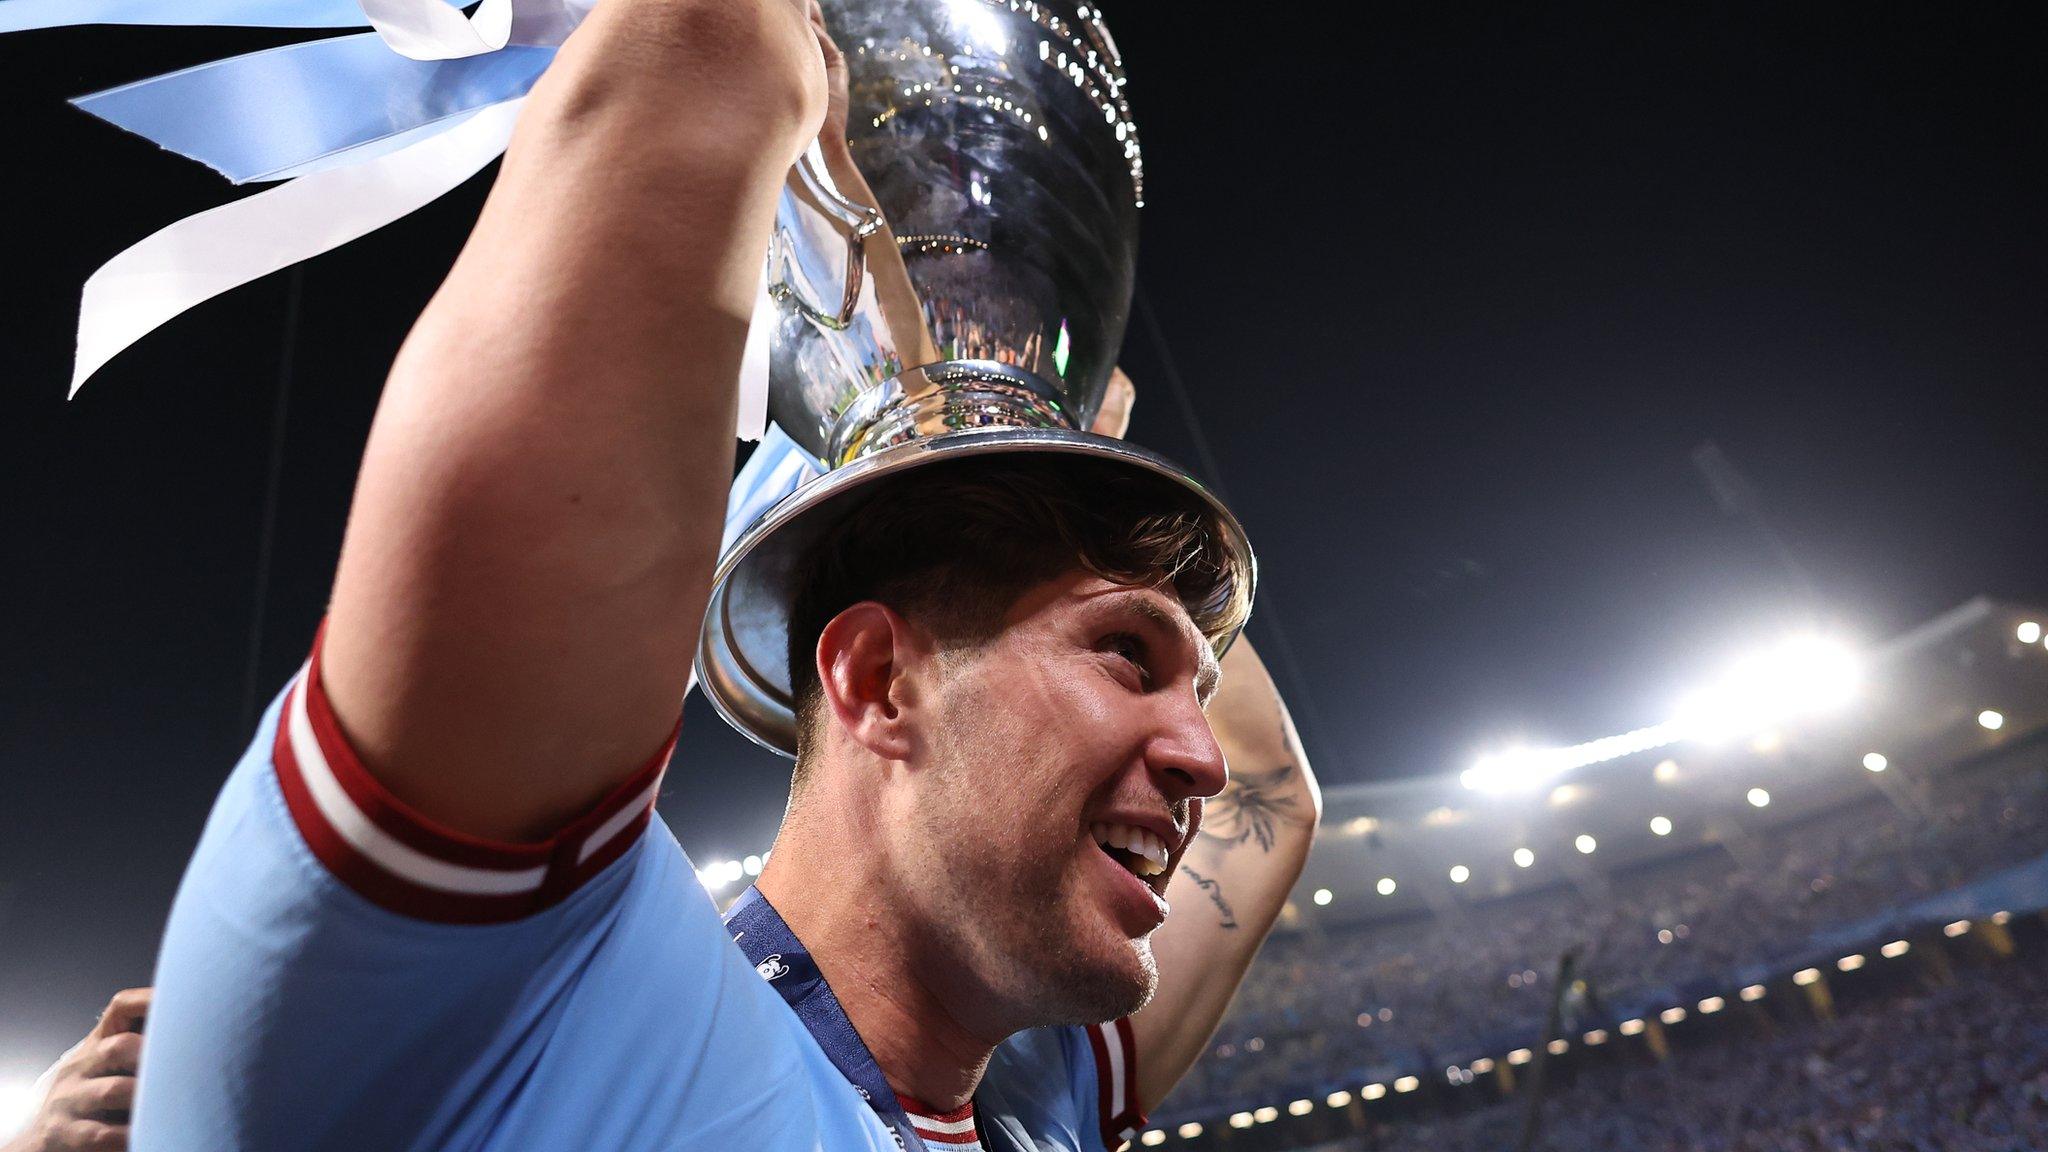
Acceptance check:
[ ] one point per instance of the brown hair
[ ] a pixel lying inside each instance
(953, 545)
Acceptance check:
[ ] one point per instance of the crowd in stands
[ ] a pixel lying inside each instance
(1327, 1009)
(1963, 1068)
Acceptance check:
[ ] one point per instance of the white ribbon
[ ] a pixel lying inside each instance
(202, 256)
(431, 30)
(338, 198)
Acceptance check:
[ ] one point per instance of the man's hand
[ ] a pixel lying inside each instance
(1114, 418)
(87, 1093)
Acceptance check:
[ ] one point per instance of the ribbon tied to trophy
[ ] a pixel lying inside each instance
(356, 131)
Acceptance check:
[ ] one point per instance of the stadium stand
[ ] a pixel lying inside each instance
(1701, 1011)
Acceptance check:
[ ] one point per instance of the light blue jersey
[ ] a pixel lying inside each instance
(341, 973)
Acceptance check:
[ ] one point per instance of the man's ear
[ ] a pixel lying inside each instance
(862, 655)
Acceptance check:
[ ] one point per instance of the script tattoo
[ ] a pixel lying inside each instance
(1215, 892)
(1252, 809)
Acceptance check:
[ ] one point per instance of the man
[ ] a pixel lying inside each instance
(431, 908)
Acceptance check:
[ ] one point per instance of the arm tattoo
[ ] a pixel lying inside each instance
(1215, 892)
(1252, 809)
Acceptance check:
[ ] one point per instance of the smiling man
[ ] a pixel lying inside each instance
(433, 907)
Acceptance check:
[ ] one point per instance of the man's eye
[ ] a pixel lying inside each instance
(1132, 650)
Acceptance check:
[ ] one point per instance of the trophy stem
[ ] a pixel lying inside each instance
(949, 396)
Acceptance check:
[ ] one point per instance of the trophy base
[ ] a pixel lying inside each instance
(950, 396)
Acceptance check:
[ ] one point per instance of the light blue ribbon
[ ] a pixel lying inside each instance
(287, 111)
(21, 15)
(777, 468)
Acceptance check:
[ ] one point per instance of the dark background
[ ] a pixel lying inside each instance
(1454, 293)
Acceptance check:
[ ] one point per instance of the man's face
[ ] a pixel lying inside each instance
(1052, 761)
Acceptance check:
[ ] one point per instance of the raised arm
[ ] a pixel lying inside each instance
(537, 517)
(1233, 880)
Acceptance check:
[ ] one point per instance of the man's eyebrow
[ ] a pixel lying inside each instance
(1208, 673)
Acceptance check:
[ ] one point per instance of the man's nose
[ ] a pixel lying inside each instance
(1185, 757)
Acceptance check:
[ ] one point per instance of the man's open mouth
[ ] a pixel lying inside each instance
(1143, 853)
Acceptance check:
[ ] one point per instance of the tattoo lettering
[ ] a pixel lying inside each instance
(1215, 892)
(1252, 809)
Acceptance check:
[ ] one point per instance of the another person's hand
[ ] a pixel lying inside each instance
(87, 1093)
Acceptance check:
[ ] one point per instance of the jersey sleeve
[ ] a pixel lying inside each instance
(400, 860)
(339, 972)
(1073, 1085)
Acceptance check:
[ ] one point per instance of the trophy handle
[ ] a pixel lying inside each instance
(856, 221)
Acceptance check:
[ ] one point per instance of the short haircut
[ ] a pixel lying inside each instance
(953, 545)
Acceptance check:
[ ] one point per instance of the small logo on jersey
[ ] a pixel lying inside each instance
(772, 967)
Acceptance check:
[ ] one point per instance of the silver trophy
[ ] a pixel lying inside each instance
(961, 288)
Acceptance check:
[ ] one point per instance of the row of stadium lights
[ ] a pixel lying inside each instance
(722, 873)
(1989, 719)
(1465, 1074)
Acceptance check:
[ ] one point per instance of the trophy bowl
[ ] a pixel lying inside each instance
(955, 282)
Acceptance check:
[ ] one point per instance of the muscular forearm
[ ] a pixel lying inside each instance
(1235, 878)
(539, 506)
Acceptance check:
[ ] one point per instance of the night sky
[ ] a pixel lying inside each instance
(1454, 295)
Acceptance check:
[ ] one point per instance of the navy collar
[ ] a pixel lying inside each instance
(786, 964)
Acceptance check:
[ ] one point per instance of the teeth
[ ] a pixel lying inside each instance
(1149, 850)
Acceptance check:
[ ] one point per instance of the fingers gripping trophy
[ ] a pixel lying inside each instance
(952, 269)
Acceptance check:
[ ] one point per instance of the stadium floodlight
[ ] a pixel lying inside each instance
(2028, 632)
(1803, 676)
(1851, 962)
(1955, 928)
(1372, 1091)
(1660, 825)
(1672, 1015)
(1526, 769)
(1565, 795)
(1633, 1027)
(1300, 1107)
(1324, 896)
(1759, 798)
(1991, 720)
(1407, 1084)
(1266, 1115)
(1753, 993)
(1524, 857)
(1875, 761)
(1895, 949)
(751, 865)
(719, 873)
(1520, 1056)
(1585, 844)
(1595, 1038)
(1711, 1005)
(1559, 1046)
(1386, 886)
(1806, 976)
(1153, 1138)
(1240, 1119)
(1190, 1130)
(2001, 918)
(1460, 873)
(1338, 1099)
(1483, 1065)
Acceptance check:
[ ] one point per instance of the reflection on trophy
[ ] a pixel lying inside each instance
(954, 281)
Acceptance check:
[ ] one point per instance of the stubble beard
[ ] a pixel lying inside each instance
(1017, 928)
